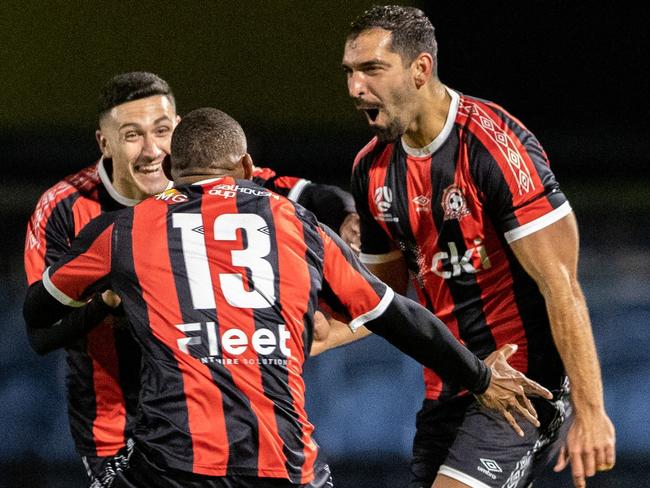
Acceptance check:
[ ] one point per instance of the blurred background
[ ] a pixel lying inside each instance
(573, 72)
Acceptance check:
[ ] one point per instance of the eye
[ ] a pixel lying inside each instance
(131, 135)
(163, 130)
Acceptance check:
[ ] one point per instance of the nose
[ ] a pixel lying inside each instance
(150, 148)
(356, 84)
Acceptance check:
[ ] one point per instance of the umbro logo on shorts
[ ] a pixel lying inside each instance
(490, 466)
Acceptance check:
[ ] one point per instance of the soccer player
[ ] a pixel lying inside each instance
(219, 279)
(137, 115)
(456, 191)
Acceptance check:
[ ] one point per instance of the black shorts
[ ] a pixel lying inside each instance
(143, 473)
(102, 470)
(464, 441)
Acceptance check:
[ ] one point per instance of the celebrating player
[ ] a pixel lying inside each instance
(458, 192)
(219, 280)
(137, 115)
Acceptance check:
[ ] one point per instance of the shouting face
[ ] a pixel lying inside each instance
(379, 83)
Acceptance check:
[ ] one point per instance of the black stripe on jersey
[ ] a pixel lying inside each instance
(464, 289)
(314, 255)
(275, 377)
(397, 174)
(151, 430)
(129, 363)
(82, 405)
(56, 228)
(241, 428)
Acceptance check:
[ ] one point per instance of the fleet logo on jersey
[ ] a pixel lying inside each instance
(384, 200)
(489, 467)
(234, 342)
(452, 264)
(453, 203)
(422, 203)
(172, 196)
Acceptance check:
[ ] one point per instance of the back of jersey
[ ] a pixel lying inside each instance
(220, 280)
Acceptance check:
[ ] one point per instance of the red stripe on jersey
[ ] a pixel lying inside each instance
(83, 211)
(533, 210)
(495, 280)
(506, 149)
(294, 295)
(419, 195)
(96, 264)
(203, 398)
(349, 285)
(365, 150)
(36, 240)
(264, 173)
(377, 179)
(110, 421)
(247, 378)
(286, 182)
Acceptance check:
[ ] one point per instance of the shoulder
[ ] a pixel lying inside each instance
(369, 152)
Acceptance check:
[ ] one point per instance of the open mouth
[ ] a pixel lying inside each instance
(372, 113)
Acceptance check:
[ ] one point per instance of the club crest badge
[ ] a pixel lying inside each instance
(453, 203)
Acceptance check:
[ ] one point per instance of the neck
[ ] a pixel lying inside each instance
(190, 179)
(431, 114)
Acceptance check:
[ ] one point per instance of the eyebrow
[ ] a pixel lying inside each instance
(367, 64)
(157, 121)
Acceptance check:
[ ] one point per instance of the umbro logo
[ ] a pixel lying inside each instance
(264, 230)
(199, 230)
(490, 466)
(422, 203)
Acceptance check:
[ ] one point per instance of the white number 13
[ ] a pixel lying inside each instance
(251, 257)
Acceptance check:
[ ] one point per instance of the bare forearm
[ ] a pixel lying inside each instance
(339, 335)
(574, 339)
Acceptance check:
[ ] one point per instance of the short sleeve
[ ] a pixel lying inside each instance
(87, 262)
(352, 286)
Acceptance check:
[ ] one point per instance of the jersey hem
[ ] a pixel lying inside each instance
(375, 312)
(380, 258)
(296, 191)
(58, 294)
(462, 477)
(539, 223)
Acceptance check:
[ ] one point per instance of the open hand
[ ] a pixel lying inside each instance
(350, 232)
(508, 390)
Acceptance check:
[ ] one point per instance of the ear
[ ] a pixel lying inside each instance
(422, 68)
(102, 142)
(247, 166)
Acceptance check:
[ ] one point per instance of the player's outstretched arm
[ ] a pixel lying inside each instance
(550, 257)
(417, 332)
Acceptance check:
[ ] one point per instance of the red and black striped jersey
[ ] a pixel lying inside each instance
(329, 203)
(102, 389)
(451, 209)
(220, 281)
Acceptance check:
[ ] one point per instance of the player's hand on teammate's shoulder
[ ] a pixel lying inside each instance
(350, 232)
(508, 390)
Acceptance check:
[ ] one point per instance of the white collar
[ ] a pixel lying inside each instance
(115, 195)
(209, 180)
(434, 145)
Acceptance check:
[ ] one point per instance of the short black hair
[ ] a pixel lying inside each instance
(134, 85)
(206, 138)
(412, 31)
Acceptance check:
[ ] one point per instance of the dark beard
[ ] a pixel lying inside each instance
(390, 133)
